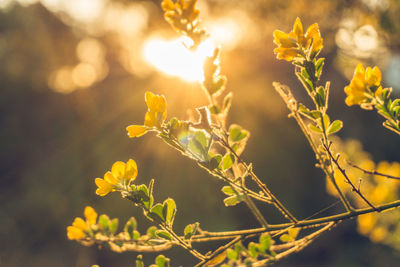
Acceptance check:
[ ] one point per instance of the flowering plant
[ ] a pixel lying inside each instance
(216, 147)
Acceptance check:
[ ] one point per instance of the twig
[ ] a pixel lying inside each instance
(260, 184)
(302, 244)
(374, 172)
(353, 188)
(220, 250)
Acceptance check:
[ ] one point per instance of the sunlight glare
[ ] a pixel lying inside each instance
(173, 58)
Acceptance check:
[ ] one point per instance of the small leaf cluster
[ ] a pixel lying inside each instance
(390, 110)
(240, 255)
(160, 261)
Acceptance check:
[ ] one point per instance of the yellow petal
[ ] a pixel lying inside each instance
(378, 91)
(150, 100)
(110, 178)
(167, 5)
(74, 233)
(373, 76)
(118, 170)
(287, 54)
(131, 170)
(298, 29)
(155, 103)
(283, 39)
(90, 215)
(104, 187)
(359, 72)
(136, 130)
(80, 223)
(150, 119)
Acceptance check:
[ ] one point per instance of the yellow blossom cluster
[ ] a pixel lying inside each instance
(79, 227)
(296, 44)
(155, 115)
(121, 174)
(365, 82)
(180, 13)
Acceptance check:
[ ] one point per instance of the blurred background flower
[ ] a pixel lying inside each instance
(73, 75)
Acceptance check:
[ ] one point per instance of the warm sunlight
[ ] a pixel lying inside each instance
(173, 58)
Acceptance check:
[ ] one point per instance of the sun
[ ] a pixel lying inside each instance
(174, 58)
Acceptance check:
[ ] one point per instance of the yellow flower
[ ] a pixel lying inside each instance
(373, 76)
(155, 115)
(291, 45)
(156, 103)
(79, 226)
(74, 233)
(121, 173)
(359, 87)
(136, 130)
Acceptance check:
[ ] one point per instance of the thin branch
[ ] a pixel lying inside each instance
(374, 172)
(302, 243)
(220, 250)
(292, 105)
(303, 224)
(353, 187)
(260, 184)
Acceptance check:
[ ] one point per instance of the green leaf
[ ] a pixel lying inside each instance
(214, 109)
(169, 210)
(198, 145)
(253, 250)
(104, 223)
(232, 254)
(227, 161)
(228, 190)
(142, 192)
(150, 188)
(113, 225)
(314, 128)
(233, 200)
(139, 261)
(130, 226)
(214, 161)
(316, 114)
(148, 203)
(265, 242)
(236, 133)
(227, 102)
(320, 96)
(162, 261)
(319, 65)
(163, 234)
(188, 231)
(135, 235)
(156, 213)
(327, 121)
(151, 231)
(335, 127)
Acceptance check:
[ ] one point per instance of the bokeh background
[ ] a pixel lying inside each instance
(73, 75)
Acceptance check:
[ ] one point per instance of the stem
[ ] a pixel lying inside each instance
(353, 188)
(262, 186)
(302, 224)
(220, 250)
(346, 203)
(374, 172)
(291, 103)
(302, 243)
